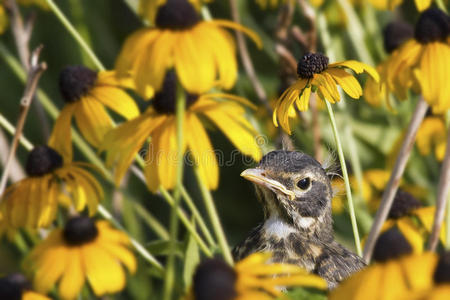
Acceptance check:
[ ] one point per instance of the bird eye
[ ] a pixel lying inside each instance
(304, 183)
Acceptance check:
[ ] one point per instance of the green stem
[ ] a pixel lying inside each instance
(150, 220)
(173, 226)
(214, 218)
(198, 217)
(186, 222)
(75, 34)
(12, 130)
(137, 246)
(346, 180)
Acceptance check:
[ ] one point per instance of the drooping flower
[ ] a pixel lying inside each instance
(432, 136)
(376, 93)
(252, 278)
(424, 61)
(84, 250)
(33, 201)
(396, 272)
(316, 75)
(86, 93)
(201, 52)
(16, 287)
(392, 4)
(158, 121)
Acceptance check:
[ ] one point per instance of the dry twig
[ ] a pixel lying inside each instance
(442, 196)
(35, 71)
(22, 30)
(247, 61)
(394, 180)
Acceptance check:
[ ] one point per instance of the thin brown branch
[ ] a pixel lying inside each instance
(442, 196)
(394, 180)
(247, 61)
(22, 30)
(34, 74)
(288, 57)
(310, 14)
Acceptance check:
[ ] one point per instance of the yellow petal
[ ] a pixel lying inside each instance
(358, 67)
(202, 152)
(61, 137)
(411, 233)
(92, 120)
(195, 67)
(236, 128)
(117, 100)
(122, 254)
(250, 33)
(104, 273)
(72, 279)
(422, 4)
(347, 81)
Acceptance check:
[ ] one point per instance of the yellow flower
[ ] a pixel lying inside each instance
(389, 280)
(375, 93)
(432, 135)
(6, 229)
(123, 143)
(16, 287)
(425, 60)
(252, 278)
(315, 74)
(83, 251)
(86, 93)
(149, 8)
(201, 52)
(33, 201)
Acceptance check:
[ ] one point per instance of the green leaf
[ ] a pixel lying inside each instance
(192, 258)
(305, 294)
(162, 247)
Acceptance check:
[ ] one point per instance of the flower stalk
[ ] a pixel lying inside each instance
(214, 218)
(348, 191)
(169, 279)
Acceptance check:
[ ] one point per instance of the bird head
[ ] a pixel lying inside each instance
(293, 187)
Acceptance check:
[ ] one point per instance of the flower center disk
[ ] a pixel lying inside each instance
(176, 15)
(79, 231)
(165, 100)
(442, 272)
(390, 245)
(12, 286)
(214, 279)
(43, 160)
(310, 64)
(75, 82)
(395, 34)
(433, 26)
(404, 203)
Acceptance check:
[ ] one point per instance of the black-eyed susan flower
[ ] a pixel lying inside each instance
(376, 93)
(316, 75)
(432, 136)
(6, 229)
(201, 52)
(158, 122)
(395, 273)
(16, 287)
(33, 201)
(253, 278)
(424, 61)
(84, 250)
(86, 93)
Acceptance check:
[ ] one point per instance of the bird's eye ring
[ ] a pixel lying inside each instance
(304, 183)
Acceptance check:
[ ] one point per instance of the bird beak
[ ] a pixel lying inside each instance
(258, 176)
